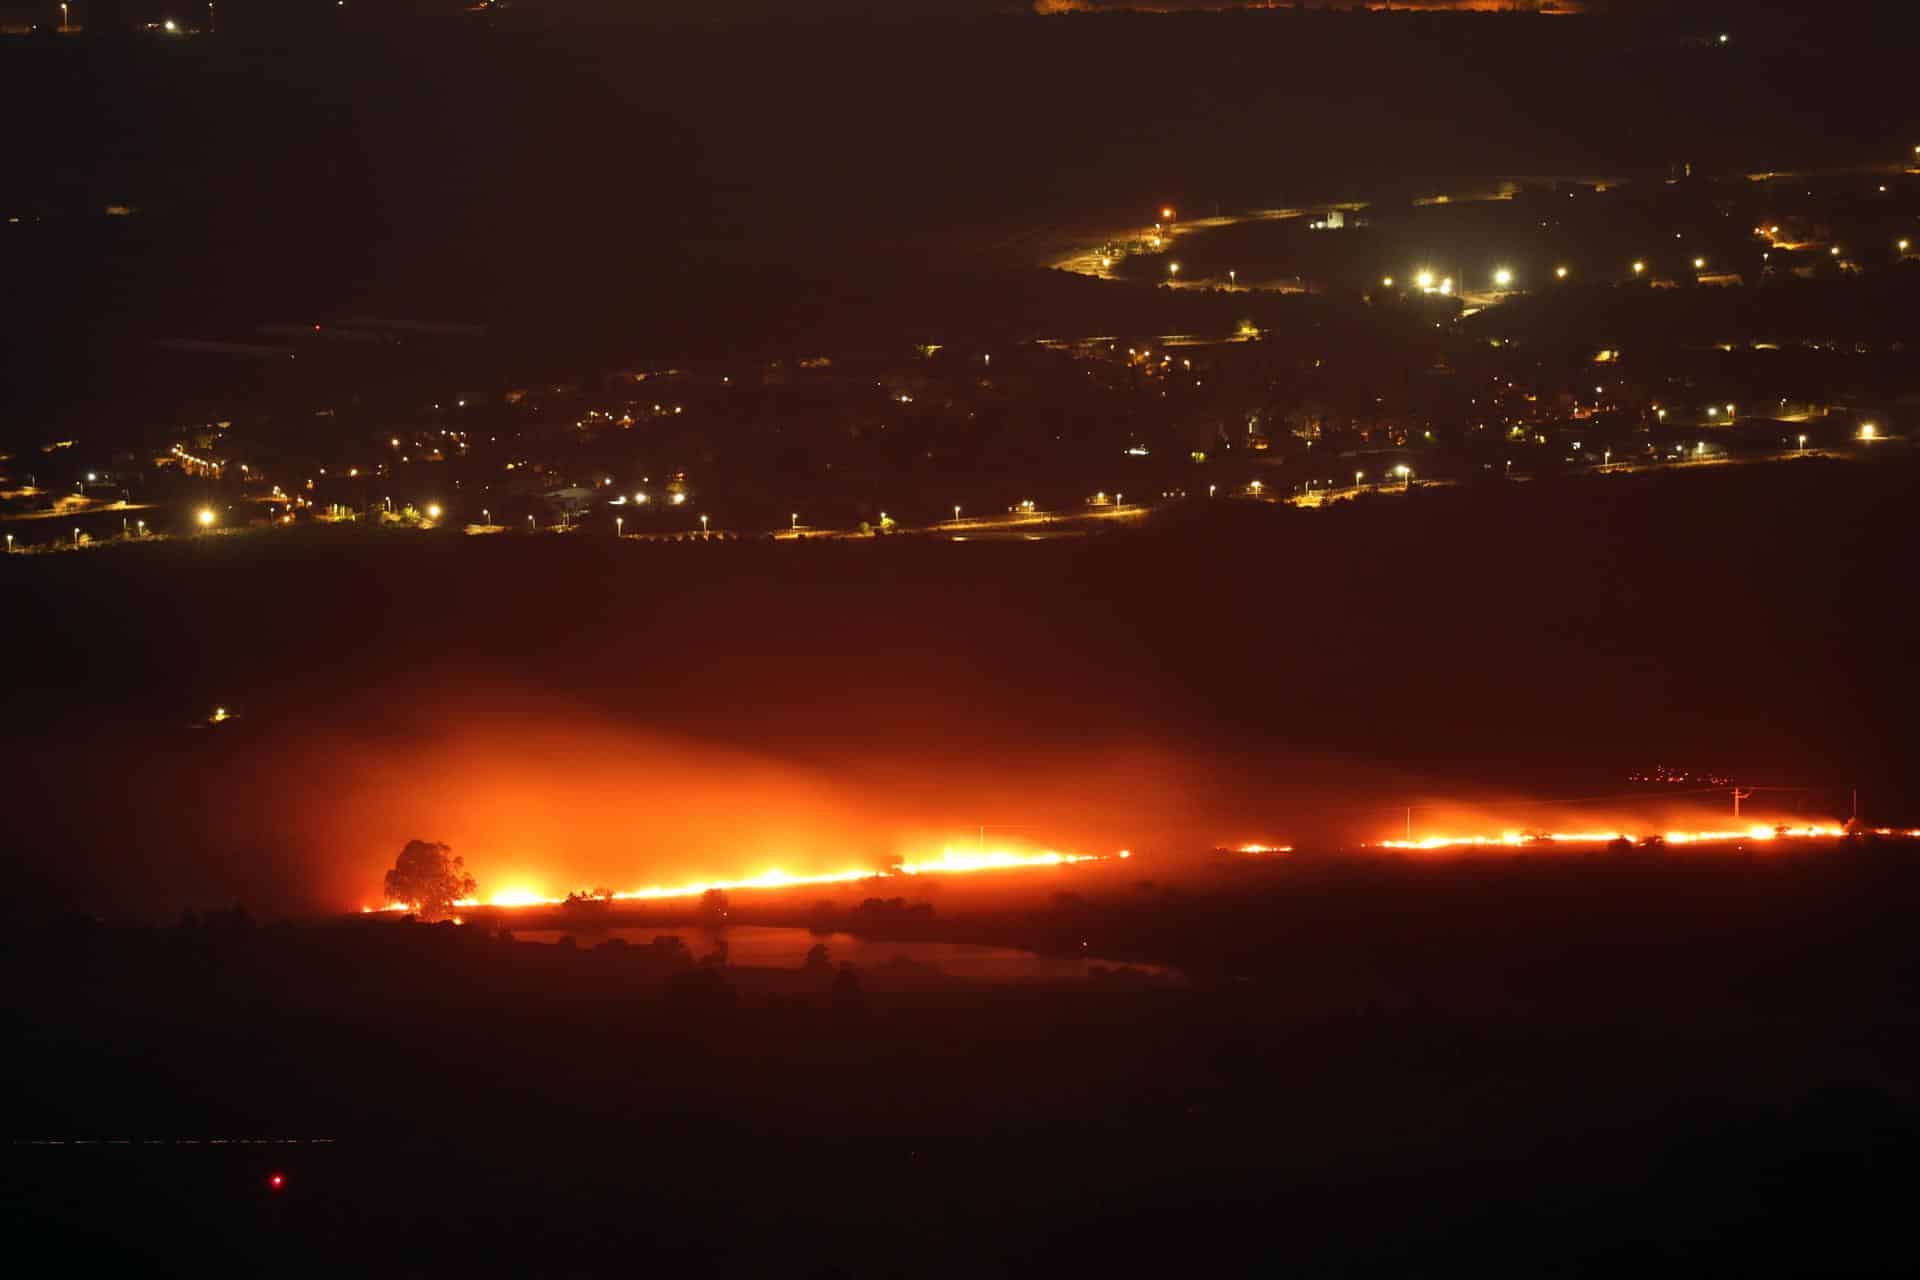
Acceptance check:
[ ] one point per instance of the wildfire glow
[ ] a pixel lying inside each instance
(1520, 839)
(950, 862)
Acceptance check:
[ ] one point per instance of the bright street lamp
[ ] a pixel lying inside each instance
(956, 511)
(796, 521)
(1405, 473)
(1803, 442)
(619, 525)
(205, 517)
(703, 523)
(433, 511)
(1356, 478)
(1559, 273)
(1638, 267)
(1503, 277)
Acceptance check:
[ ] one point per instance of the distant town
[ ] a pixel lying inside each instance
(1508, 332)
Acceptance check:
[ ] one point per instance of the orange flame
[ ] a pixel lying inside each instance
(950, 862)
(1520, 839)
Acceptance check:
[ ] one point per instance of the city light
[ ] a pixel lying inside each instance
(1868, 431)
(1166, 214)
(1560, 273)
(1699, 264)
(204, 516)
(1424, 279)
(1386, 282)
(433, 511)
(1638, 267)
(1503, 277)
(1173, 268)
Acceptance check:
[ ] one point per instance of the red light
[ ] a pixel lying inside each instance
(277, 1181)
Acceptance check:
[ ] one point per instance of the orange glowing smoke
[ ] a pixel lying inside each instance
(950, 862)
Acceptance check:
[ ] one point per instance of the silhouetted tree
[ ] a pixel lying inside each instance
(427, 879)
(713, 906)
(817, 961)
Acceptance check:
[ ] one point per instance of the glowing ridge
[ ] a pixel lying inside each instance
(950, 862)
(1756, 831)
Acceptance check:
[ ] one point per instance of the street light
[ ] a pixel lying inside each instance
(1356, 478)
(956, 511)
(1559, 273)
(1638, 267)
(1386, 282)
(1868, 431)
(703, 523)
(1699, 264)
(1803, 442)
(796, 521)
(1503, 277)
(205, 517)
(433, 511)
(1405, 473)
(1173, 268)
(486, 517)
(619, 525)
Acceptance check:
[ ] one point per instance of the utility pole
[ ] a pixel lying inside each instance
(1409, 824)
(1738, 796)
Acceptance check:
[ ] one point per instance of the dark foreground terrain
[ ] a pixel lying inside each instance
(1559, 1066)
